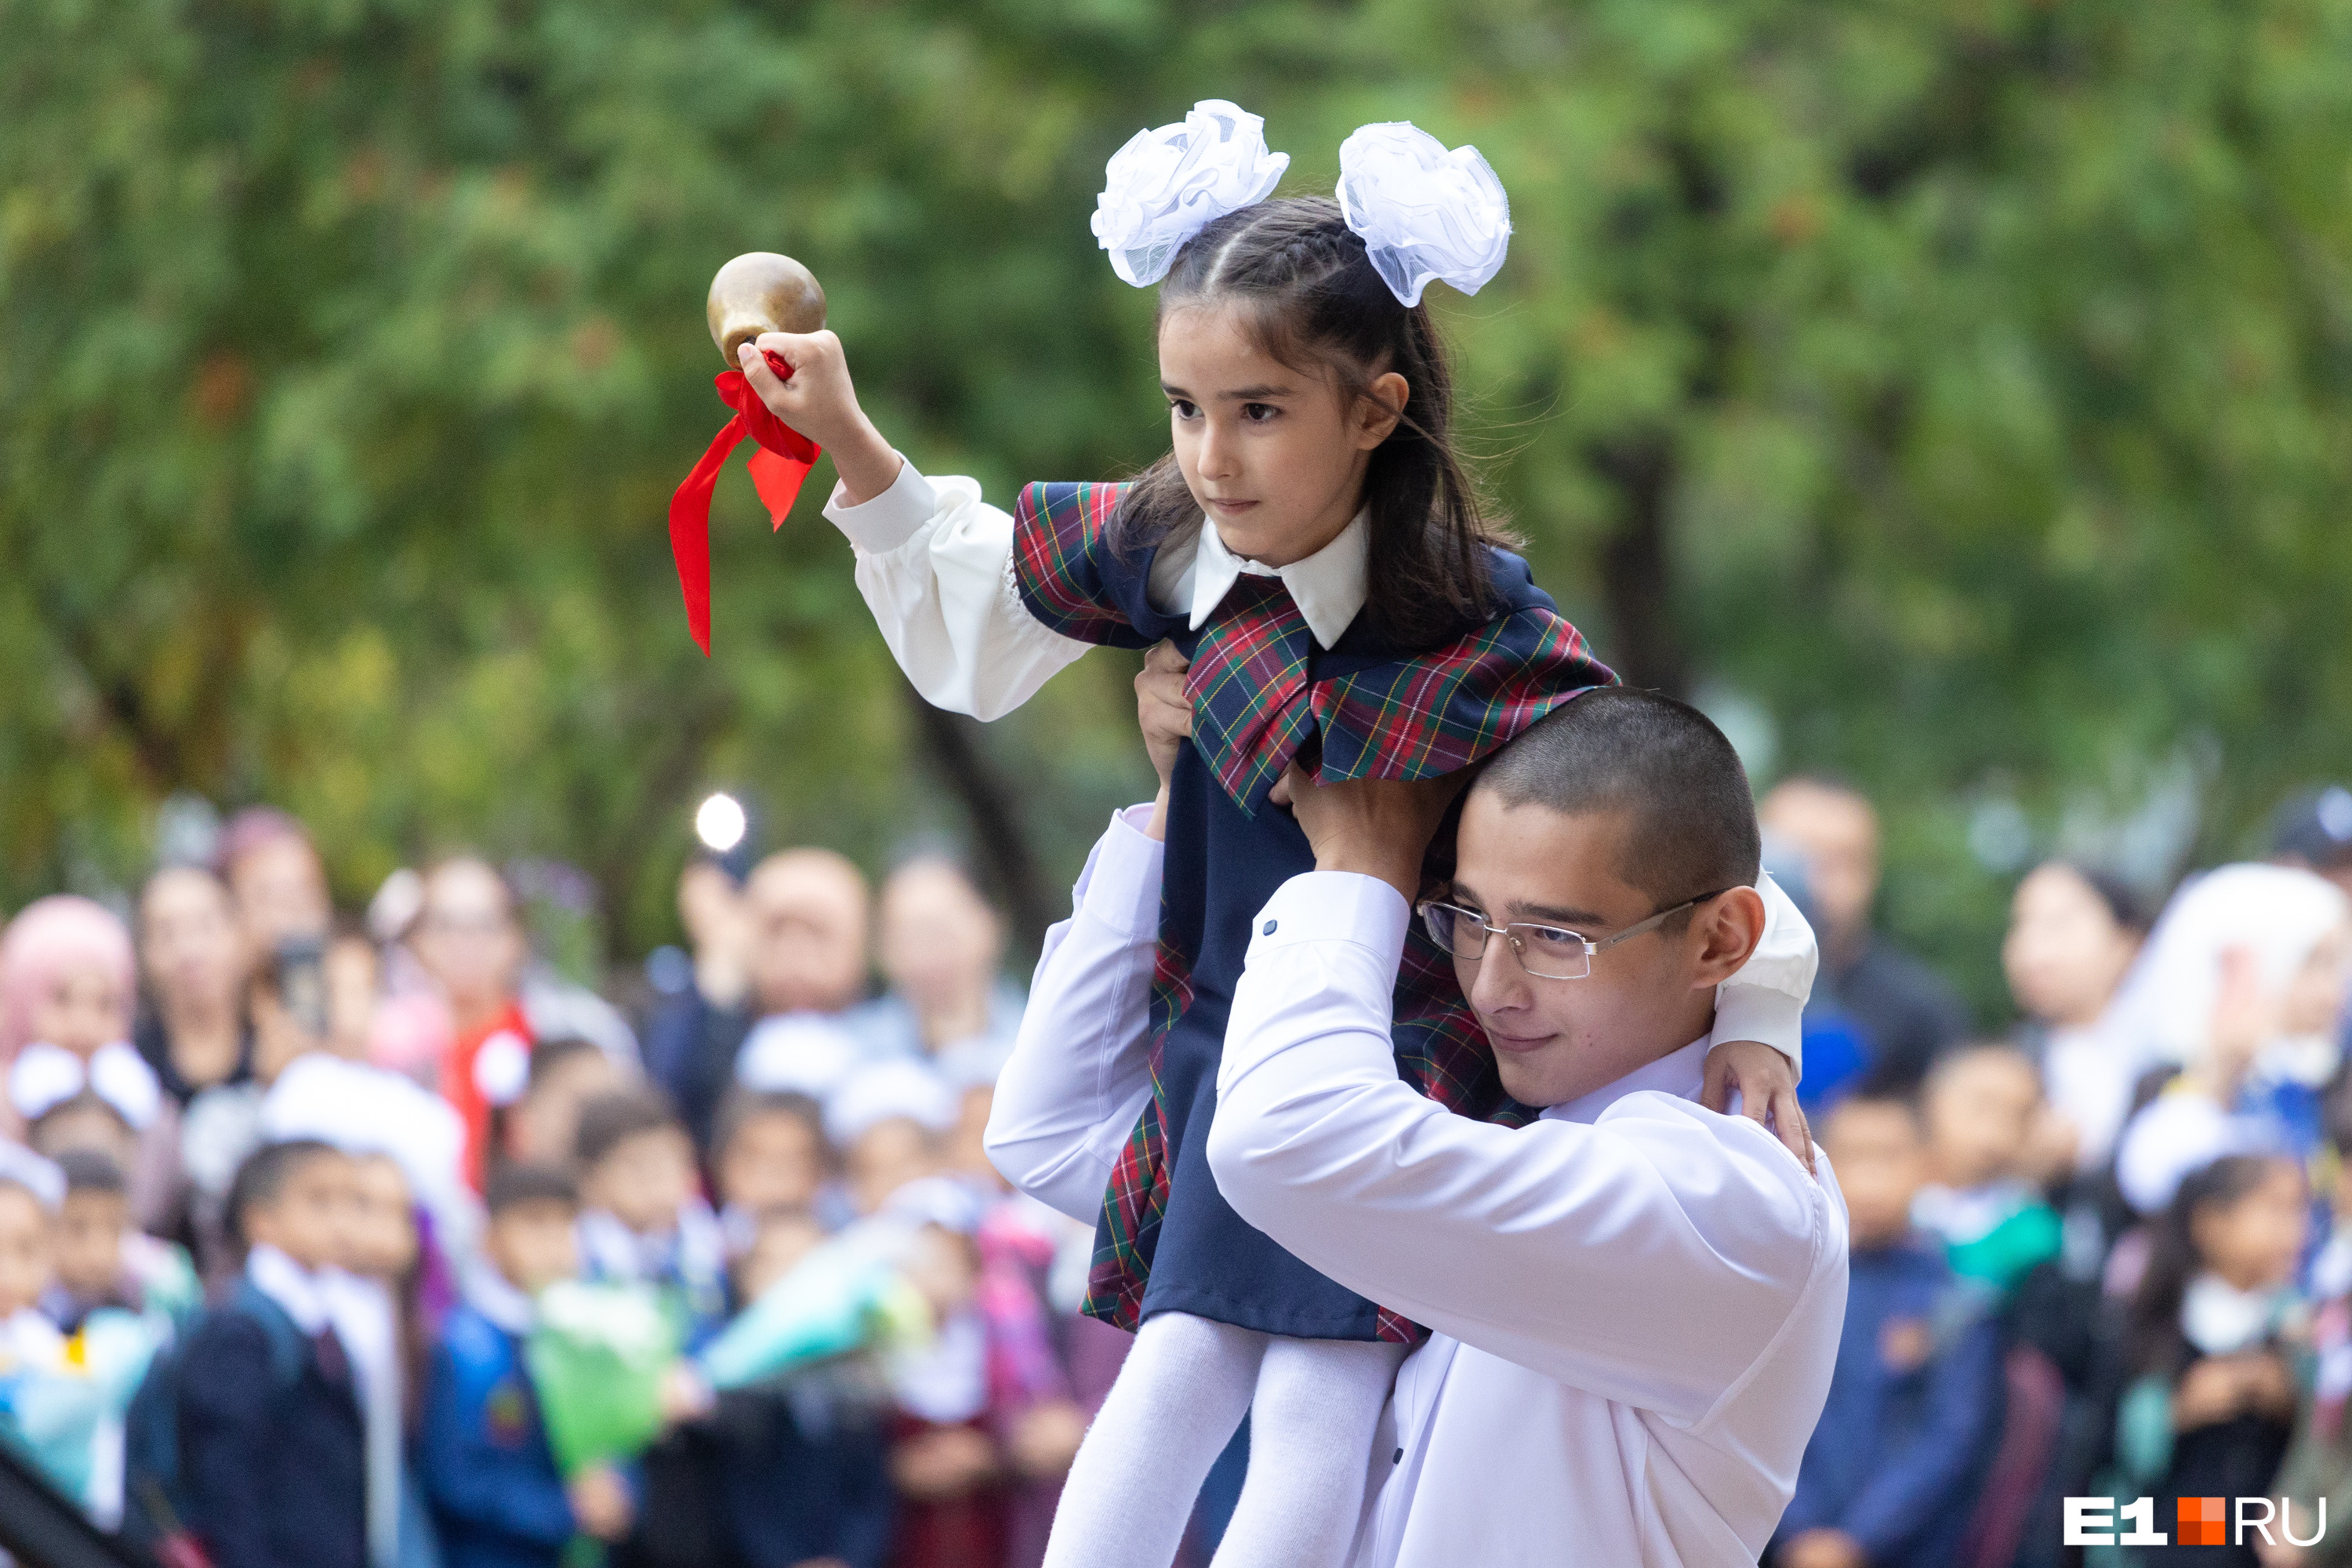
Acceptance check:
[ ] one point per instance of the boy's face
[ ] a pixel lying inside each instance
(644, 1180)
(27, 1250)
(382, 1242)
(1557, 1040)
(90, 1242)
(313, 1214)
(1881, 1160)
(533, 1246)
(886, 1157)
(1981, 1110)
(774, 1161)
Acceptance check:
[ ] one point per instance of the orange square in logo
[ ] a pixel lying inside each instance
(2200, 1522)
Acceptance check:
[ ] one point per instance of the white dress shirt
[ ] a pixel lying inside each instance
(1637, 1303)
(935, 564)
(1078, 1075)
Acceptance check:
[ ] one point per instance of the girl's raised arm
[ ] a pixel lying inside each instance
(934, 560)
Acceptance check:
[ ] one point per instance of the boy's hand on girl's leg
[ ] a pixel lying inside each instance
(1767, 1092)
(601, 1504)
(1164, 712)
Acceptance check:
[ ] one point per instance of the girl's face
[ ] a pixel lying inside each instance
(2065, 954)
(1275, 457)
(81, 1010)
(28, 1250)
(2254, 1242)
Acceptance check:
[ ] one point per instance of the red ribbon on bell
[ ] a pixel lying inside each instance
(782, 462)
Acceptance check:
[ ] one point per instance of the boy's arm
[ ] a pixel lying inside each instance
(224, 1432)
(1914, 1481)
(1079, 1073)
(1651, 1258)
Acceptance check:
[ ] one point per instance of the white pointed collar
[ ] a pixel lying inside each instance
(1328, 587)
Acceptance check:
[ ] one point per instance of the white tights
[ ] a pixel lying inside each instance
(1187, 1382)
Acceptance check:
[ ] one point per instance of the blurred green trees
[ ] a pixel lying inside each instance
(1956, 389)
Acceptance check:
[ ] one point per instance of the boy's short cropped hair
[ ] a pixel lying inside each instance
(1690, 817)
(741, 1106)
(613, 1117)
(90, 1171)
(262, 1178)
(514, 1185)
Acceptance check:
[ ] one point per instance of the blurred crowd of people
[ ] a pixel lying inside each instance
(2101, 1253)
(345, 1159)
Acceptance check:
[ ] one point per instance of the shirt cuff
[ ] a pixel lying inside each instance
(1123, 886)
(1333, 906)
(883, 523)
(1761, 1013)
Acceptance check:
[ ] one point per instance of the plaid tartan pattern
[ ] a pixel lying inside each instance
(1246, 681)
(1254, 705)
(1426, 717)
(1059, 541)
(1137, 1195)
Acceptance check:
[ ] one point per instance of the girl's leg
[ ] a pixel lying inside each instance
(1178, 1399)
(1311, 1449)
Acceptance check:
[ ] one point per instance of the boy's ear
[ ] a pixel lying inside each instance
(1724, 933)
(1380, 409)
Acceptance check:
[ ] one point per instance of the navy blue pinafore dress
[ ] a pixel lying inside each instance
(1167, 1240)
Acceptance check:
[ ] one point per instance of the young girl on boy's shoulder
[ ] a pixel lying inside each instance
(1313, 546)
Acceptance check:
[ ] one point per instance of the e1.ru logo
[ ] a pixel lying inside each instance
(2200, 1522)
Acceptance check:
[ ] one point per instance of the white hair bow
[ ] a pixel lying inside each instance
(43, 1077)
(1422, 212)
(1167, 185)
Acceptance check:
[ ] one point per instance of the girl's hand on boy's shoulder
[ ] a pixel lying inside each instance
(1766, 1086)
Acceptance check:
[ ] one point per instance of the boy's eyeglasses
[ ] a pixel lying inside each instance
(1547, 952)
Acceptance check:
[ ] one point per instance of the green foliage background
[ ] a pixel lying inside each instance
(1960, 384)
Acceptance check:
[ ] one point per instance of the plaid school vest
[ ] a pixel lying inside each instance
(1257, 703)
